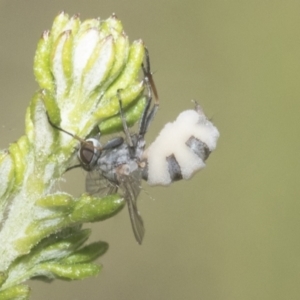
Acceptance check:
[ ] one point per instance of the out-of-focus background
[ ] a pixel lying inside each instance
(233, 231)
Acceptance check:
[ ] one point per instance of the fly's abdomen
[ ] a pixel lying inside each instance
(181, 148)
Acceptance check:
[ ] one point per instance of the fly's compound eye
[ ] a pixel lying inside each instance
(89, 152)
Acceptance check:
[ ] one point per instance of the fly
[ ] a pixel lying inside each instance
(181, 149)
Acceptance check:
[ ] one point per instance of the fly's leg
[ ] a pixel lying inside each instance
(125, 127)
(148, 75)
(148, 113)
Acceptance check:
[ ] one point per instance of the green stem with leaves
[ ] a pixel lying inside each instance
(79, 67)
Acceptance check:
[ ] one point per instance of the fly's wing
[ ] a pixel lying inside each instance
(97, 184)
(130, 184)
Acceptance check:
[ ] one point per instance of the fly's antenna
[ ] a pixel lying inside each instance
(75, 136)
(63, 130)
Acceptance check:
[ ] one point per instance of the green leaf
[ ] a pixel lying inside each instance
(65, 271)
(87, 253)
(92, 209)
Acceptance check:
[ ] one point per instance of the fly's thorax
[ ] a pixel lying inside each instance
(127, 169)
(111, 159)
(89, 153)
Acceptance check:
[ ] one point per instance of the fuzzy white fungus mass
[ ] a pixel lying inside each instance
(172, 140)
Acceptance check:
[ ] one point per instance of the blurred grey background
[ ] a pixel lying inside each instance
(233, 231)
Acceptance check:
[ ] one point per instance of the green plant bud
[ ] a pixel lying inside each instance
(121, 46)
(43, 137)
(111, 107)
(59, 23)
(51, 106)
(88, 24)
(61, 63)
(87, 63)
(67, 58)
(131, 70)
(102, 58)
(73, 24)
(112, 25)
(41, 65)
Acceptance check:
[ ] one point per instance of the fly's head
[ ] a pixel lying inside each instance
(89, 150)
(89, 153)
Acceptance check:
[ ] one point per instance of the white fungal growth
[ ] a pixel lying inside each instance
(172, 140)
